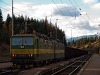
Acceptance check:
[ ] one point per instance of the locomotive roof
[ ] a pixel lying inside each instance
(22, 35)
(37, 35)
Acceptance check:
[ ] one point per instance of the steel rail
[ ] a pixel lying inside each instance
(9, 71)
(85, 58)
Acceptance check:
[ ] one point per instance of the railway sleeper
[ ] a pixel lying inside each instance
(81, 61)
(75, 66)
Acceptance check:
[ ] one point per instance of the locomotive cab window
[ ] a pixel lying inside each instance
(28, 41)
(22, 41)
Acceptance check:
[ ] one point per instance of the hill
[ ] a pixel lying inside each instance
(77, 38)
(91, 44)
(92, 47)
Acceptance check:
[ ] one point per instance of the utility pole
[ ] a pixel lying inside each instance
(71, 37)
(71, 34)
(55, 38)
(99, 40)
(12, 19)
(99, 43)
(56, 29)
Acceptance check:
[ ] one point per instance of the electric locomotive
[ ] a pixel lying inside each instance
(35, 49)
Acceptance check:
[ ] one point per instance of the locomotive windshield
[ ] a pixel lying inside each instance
(22, 41)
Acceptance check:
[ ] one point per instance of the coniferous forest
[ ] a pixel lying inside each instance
(28, 25)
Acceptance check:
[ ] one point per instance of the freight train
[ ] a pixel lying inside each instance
(36, 49)
(74, 52)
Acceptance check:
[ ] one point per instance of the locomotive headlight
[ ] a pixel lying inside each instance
(13, 55)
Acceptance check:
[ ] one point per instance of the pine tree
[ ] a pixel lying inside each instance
(1, 26)
(8, 21)
(1, 20)
(45, 25)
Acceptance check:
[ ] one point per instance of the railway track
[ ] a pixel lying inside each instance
(9, 71)
(5, 61)
(73, 68)
(68, 69)
(62, 69)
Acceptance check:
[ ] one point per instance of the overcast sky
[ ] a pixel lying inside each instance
(82, 17)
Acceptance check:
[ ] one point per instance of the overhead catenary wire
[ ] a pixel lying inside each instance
(4, 9)
(81, 10)
(76, 10)
(4, 2)
(65, 16)
(61, 12)
(69, 13)
(76, 7)
(14, 7)
(8, 10)
(77, 4)
(57, 7)
(87, 15)
(60, 0)
(26, 13)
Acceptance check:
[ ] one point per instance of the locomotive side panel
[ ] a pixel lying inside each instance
(45, 50)
(59, 51)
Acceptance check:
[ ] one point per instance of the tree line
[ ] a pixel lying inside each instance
(87, 41)
(26, 25)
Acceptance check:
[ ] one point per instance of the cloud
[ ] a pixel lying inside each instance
(90, 1)
(65, 10)
(44, 10)
(65, 22)
(85, 25)
(96, 6)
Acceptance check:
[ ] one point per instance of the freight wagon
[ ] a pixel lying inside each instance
(74, 52)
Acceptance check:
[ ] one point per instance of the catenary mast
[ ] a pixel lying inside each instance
(12, 19)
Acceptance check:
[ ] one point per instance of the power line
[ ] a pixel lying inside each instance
(4, 8)
(71, 3)
(65, 16)
(61, 11)
(80, 10)
(69, 10)
(76, 7)
(5, 2)
(71, 14)
(14, 7)
(77, 4)
(8, 10)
